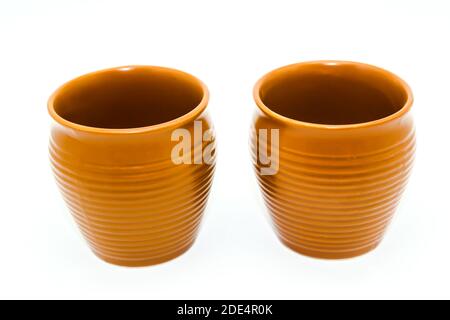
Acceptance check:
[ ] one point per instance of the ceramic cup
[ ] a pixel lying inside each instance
(333, 145)
(137, 195)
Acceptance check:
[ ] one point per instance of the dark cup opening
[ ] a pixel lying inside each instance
(333, 93)
(129, 97)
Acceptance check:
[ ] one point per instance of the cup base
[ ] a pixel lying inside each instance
(330, 255)
(144, 262)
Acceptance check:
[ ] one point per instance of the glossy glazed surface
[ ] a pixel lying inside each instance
(110, 150)
(346, 150)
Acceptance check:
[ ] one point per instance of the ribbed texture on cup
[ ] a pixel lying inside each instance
(134, 215)
(336, 207)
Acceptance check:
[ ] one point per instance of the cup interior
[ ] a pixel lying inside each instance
(332, 93)
(130, 97)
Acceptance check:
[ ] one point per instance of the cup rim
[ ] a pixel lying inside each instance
(188, 117)
(272, 114)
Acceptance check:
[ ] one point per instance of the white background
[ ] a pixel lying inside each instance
(229, 45)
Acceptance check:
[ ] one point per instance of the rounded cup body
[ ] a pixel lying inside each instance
(132, 203)
(336, 187)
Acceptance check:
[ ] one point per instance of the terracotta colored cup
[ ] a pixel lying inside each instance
(334, 173)
(111, 149)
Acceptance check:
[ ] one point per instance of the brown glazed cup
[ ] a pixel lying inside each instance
(333, 145)
(112, 152)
